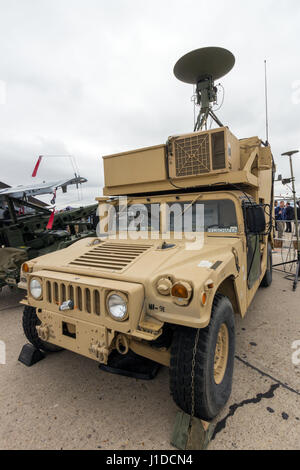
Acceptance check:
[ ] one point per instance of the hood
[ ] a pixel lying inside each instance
(135, 261)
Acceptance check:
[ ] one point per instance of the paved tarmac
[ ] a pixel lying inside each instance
(66, 402)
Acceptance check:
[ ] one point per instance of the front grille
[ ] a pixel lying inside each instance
(85, 299)
(192, 155)
(110, 256)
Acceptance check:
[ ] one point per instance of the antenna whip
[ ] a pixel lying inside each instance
(266, 102)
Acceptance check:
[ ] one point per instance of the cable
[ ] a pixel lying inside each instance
(223, 98)
(245, 194)
(253, 257)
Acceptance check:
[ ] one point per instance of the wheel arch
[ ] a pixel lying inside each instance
(228, 289)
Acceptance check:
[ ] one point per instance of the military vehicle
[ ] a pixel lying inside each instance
(23, 226)
(185, 241)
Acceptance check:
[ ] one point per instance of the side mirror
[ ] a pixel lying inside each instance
(255, 219)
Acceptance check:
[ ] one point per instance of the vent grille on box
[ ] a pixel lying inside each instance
(218, 150)
(192, 155)
(110, 256)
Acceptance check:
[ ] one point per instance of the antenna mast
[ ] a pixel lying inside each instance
(266, 102)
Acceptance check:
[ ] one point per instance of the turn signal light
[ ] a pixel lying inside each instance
(26, 268)
(204, 298)
(181, 290)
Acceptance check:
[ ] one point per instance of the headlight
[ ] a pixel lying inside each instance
(35, 288)
(117, 306)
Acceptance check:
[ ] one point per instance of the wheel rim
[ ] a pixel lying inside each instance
(221, 354)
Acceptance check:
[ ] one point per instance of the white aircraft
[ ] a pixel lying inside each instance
(19, 192)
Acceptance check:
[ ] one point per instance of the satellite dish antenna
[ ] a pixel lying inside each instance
(201, 68)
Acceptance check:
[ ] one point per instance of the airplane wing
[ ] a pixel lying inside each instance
(19, 192)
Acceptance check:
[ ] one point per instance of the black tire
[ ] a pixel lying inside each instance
(267, 280)
(30, 322)
(210, 398)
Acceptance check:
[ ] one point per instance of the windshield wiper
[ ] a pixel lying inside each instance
(190, 205)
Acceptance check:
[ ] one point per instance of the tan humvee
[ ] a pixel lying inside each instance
(168, 296)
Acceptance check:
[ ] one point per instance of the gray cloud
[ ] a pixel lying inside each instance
(89, 78)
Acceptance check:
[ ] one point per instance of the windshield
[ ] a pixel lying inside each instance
(213, 216)
(208, 216)
(136, 218)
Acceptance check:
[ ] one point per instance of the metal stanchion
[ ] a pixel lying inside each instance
(290, 155)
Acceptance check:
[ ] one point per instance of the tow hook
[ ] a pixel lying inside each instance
(101, 352)
(122, 345)
(43, 332)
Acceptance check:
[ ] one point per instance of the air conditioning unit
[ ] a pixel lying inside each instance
(202, 153)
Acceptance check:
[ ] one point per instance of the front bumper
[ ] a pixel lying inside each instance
(88, 339)
(88, 329)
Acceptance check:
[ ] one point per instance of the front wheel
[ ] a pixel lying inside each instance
(30, 322)
(214, 362)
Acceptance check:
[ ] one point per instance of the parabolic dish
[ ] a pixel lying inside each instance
(208, 61)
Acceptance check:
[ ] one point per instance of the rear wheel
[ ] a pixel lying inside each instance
(213, 366)
(267, 280)
(30, 322)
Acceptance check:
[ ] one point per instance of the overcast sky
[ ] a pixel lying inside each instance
(92, 77)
